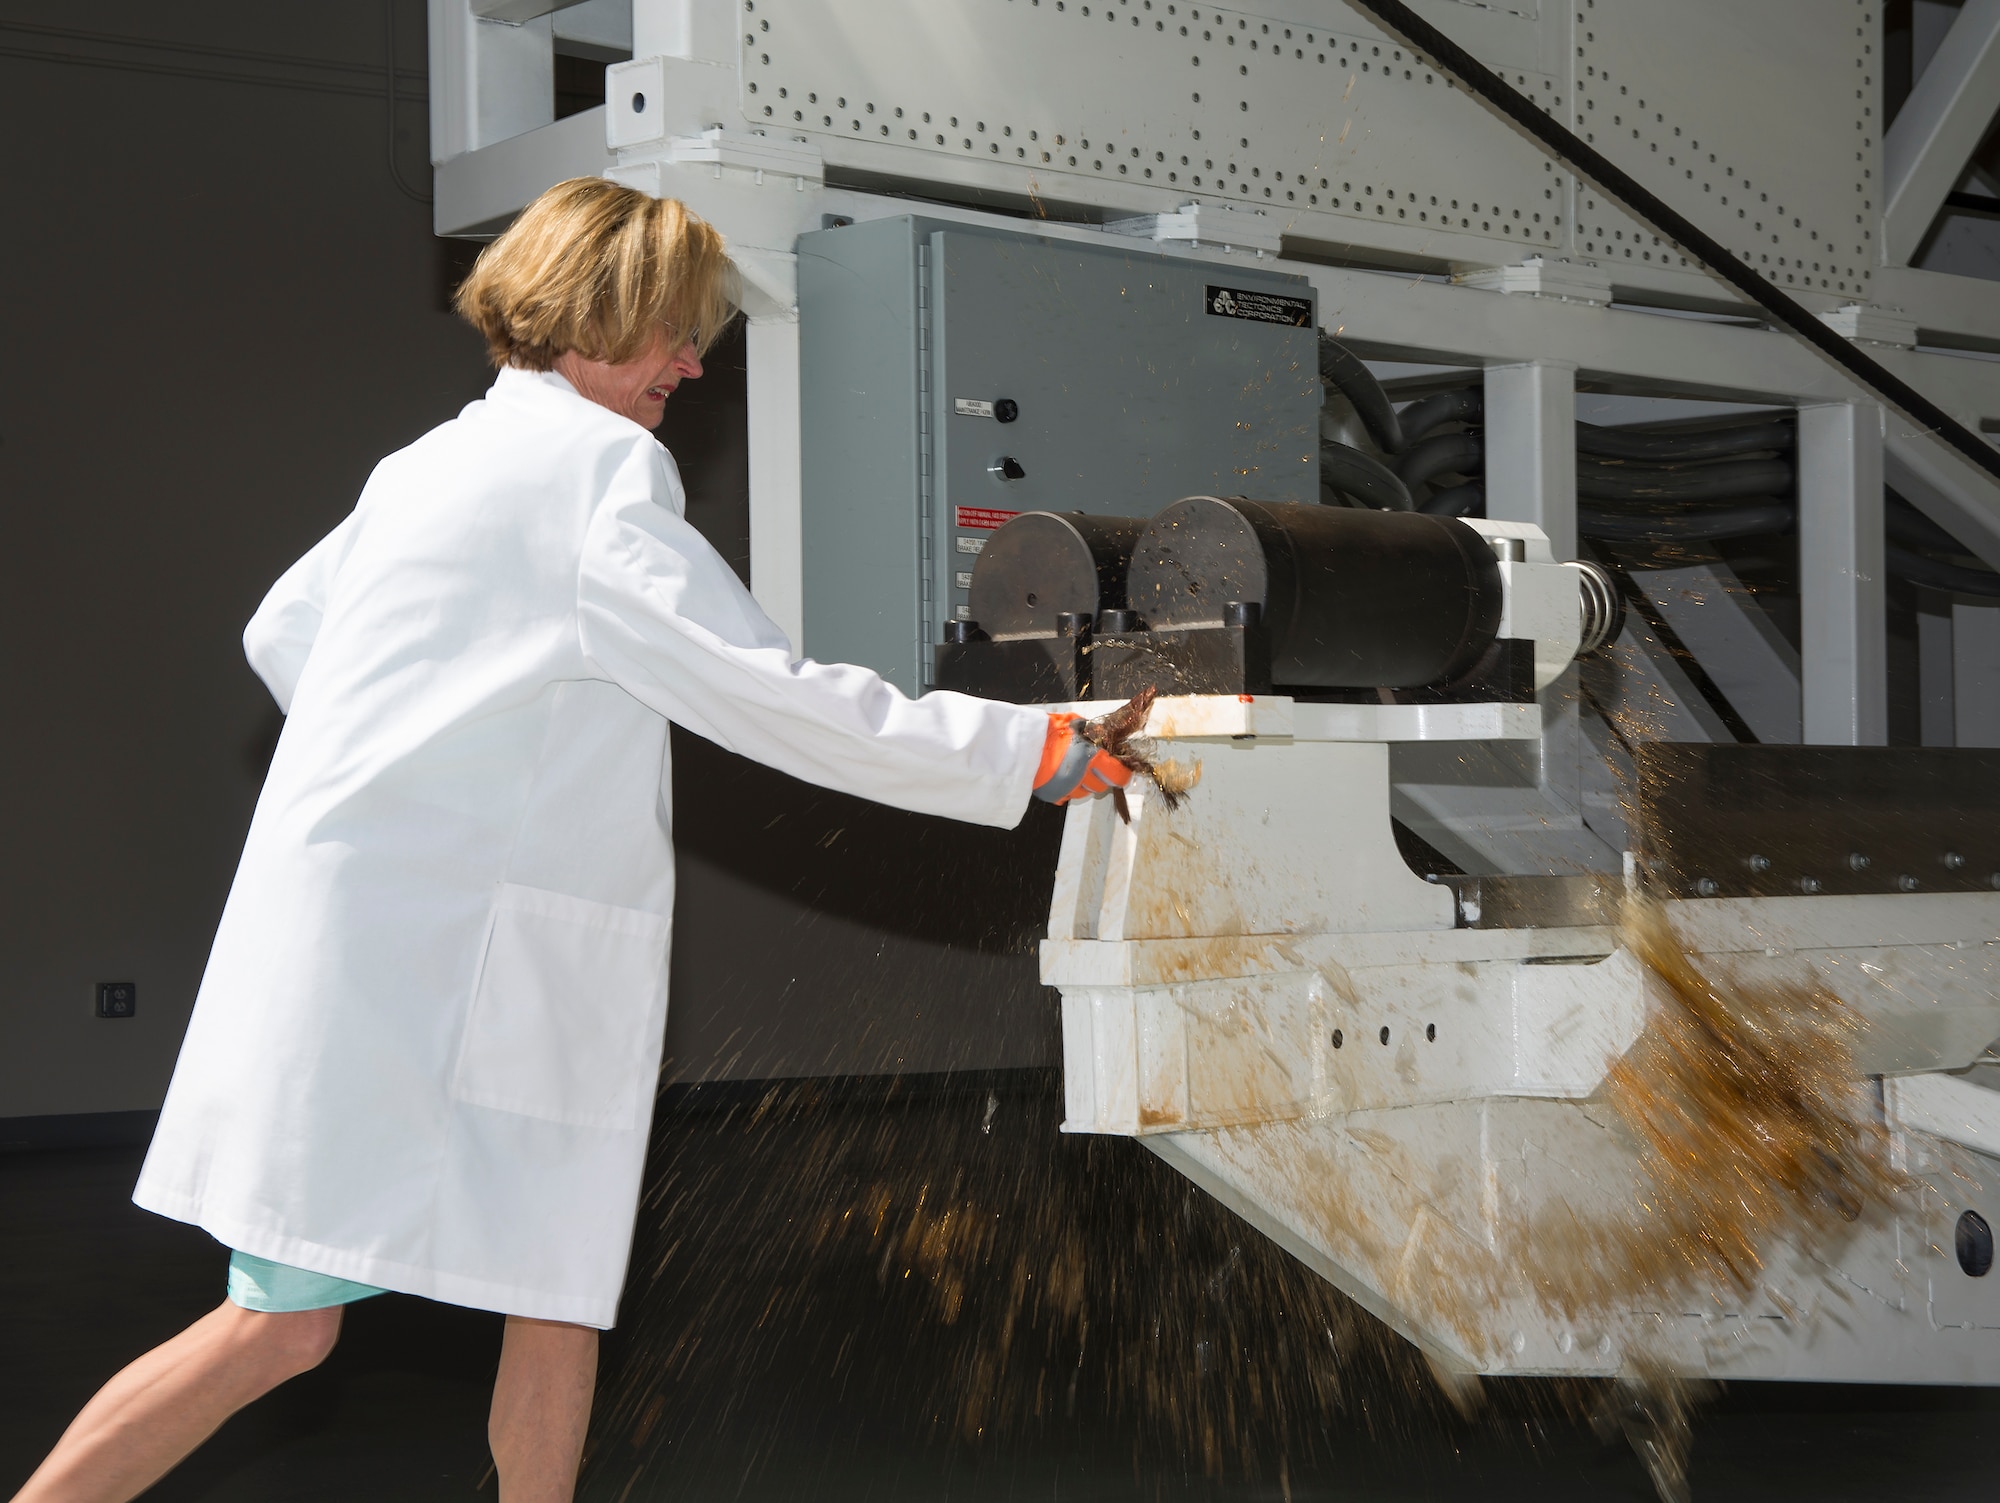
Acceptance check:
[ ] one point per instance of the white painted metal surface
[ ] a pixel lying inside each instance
(1531, 448)
(1841, 581)
(1258, 989)
(1947, 1107)
(777, 560)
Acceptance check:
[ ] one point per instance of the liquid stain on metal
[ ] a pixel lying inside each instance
(957, 1257)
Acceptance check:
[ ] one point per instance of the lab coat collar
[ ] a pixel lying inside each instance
(513, 384)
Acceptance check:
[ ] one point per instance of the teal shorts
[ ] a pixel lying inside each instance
(278, 1288)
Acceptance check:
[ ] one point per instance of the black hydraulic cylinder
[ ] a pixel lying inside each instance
(1351, 599)
(1044, 564)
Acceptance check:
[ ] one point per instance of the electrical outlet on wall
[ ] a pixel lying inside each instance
(117, 999)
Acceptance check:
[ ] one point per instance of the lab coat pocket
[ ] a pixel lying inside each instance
(567, 1011)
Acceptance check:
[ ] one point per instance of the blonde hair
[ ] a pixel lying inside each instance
(597, 268)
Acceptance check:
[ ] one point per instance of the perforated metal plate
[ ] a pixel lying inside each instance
(1286, 116)
(1343, 135)
(1742, 119)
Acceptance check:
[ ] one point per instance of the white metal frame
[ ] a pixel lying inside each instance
(1536, 310)
(1741, 118)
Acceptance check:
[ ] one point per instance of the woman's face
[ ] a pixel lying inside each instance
(638, 388)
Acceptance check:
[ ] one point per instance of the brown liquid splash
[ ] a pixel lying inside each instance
(1752, 1127)
(998, 1285)
(1118, 733)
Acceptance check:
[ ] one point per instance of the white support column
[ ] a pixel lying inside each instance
(1531, 449)
(777, 553)
(1925, 152)
(490, 80)
(1975, 646)
(1844, 678)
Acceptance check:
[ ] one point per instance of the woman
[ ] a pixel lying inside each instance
(425, 1049)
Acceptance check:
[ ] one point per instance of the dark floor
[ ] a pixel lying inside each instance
(840, 1295)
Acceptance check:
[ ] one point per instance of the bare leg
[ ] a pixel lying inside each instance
(142, 1423)
(541, 1408)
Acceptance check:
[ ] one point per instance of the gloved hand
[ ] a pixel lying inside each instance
(1072, 767)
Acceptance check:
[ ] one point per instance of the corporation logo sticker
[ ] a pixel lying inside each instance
(1259, 307)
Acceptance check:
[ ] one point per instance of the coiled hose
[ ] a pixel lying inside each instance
(1442, 454)
(1468, 500)
(1464, 404)
(1724, 481)
(1684, 527)
(1685, 445)
(1343, 368)
(1361, 477)
(1936, 574)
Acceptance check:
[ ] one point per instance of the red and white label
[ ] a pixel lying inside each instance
(983, 518)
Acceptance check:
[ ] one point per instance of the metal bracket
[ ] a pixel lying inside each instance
(1538, 276)
(1206, 225)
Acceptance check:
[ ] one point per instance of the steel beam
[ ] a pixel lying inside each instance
(1531, 448)
(514, 12)
(490, 80)
(1940, 484)
(1844, 677)
(1924, 153)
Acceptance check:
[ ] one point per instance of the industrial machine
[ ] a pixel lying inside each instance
(1535, 450)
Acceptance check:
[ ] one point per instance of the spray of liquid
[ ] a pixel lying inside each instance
(1752, 1131)
(961, 1263)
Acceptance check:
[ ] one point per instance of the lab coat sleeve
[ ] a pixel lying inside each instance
(662, 615)
(280, 635)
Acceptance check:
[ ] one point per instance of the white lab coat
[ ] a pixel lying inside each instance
(425, 1050)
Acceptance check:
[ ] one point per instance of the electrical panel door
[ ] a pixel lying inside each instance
(952, 378)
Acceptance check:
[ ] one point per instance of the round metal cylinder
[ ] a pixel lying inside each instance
(1352, 599)
(1043, 565)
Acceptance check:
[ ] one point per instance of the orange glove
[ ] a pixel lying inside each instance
(1073, 768)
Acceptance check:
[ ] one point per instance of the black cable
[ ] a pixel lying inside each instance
(1905, 524)
(1443, 454)
(1465, 405)
(395, 168)
(1616, 183)
(1680, 445)
(1602, 481)
(1973, 203)
(1685, 527)
(1935, 574)
(1468, 500)
(1361, 476)
(1341, 366)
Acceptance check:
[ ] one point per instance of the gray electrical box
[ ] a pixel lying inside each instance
(952, 377)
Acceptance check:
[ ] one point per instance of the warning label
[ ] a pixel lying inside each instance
(1260, 307)
(983, 518)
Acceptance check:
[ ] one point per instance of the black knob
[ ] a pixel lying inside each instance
(1242, 612)
(963, 631)
(1006, 467)
(1109, 621)
(1006, 410)
(1072, 623)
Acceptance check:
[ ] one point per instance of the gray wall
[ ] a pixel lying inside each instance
(220, 312)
